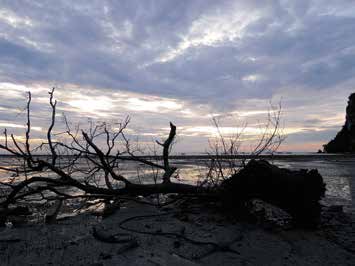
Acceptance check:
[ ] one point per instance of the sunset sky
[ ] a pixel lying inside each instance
(180, 61)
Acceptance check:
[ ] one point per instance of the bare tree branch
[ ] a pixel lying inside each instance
(53, 105)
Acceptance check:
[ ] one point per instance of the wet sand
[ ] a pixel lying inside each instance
(71, 241)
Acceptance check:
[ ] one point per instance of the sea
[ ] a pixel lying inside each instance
(338, 172)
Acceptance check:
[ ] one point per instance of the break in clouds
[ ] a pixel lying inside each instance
(182, 61)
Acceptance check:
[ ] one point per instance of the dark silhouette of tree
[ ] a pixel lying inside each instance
(86, 165)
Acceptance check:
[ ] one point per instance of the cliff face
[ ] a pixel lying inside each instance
(345, 139)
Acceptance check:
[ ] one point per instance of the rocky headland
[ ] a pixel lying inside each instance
(344, 141)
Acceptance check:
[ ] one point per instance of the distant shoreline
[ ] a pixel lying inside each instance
(242, 156)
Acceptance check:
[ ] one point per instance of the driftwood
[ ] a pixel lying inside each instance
(297, 192)
(103, 149)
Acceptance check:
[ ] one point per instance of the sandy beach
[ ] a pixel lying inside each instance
(191, 233)
(177, 133)
(178, 235)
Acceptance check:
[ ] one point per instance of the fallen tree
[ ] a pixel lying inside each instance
(297, 192)
(60, 174)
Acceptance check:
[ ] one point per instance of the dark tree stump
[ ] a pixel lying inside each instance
(297, 192)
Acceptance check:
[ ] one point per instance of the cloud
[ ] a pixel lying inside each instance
(180, 60)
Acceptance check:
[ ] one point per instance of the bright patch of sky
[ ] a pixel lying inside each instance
(180, 61)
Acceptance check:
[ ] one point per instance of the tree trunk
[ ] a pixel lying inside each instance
(297, 192)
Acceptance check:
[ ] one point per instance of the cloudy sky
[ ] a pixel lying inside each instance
(180, 61)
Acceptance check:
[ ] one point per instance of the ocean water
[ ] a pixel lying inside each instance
(338, 173)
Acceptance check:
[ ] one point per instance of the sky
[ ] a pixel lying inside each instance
(180, 61)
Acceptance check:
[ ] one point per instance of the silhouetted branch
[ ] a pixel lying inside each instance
(86, 163)
(166, 148)
(228, 145)
(62, 164)
(49, 132)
